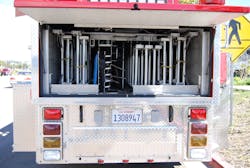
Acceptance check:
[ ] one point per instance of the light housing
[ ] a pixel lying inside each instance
(198, 153)
(51, 129)
(199, 128)
(51, 142)
(219, 2)
(100, 161)
(150, 160)
(198, 113)
(198, 141)
(52, 113)
(51, 155)
(125, 161)
(27, 78)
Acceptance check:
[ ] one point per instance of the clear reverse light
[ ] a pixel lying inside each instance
(51, 155)
(198, 153)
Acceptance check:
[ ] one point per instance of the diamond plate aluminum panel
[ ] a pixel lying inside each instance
(113, 142)
(87, 141)
(116, 143)
(89, 118)
(106, 135)
(67, 89)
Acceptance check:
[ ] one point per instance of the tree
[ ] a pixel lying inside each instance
(14, 65)
(2, 63)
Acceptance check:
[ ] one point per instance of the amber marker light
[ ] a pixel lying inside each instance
(198, 141)
(51, 142)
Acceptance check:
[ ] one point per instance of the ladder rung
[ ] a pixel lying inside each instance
(105, 45)
(107, 80)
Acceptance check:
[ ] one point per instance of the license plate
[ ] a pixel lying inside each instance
(127, 116)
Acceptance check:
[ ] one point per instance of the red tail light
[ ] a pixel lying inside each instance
(199, 128)
(52, 113)
(100, 161)
(198, 113)
(125, 161)
(28, 78)
(51, 129)
(150, 161)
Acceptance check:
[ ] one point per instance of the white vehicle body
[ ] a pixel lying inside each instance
(21, 77)
(114, 85)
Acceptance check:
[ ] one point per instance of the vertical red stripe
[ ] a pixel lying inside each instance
(223, 68)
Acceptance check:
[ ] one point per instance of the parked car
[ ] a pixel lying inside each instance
(22, 77)
(5, 72)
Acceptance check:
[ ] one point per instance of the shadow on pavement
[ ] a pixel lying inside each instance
(8, 87)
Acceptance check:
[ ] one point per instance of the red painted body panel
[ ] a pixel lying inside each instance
(223, 69)
(116, 5)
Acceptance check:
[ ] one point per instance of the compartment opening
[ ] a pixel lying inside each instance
(124, 62)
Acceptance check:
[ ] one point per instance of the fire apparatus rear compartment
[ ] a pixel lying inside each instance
(125, 62)
(124, 82)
